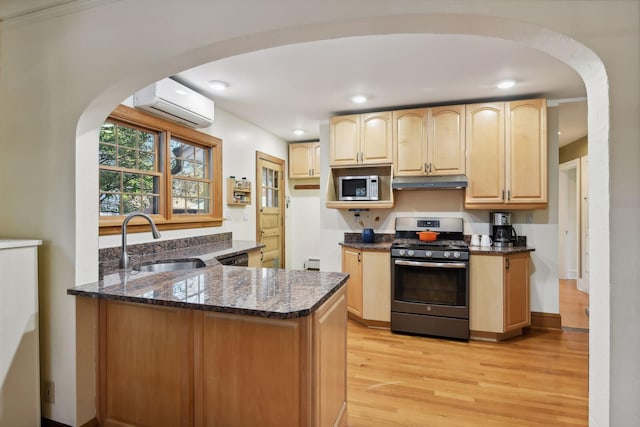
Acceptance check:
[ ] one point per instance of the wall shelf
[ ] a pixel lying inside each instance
(238, 192)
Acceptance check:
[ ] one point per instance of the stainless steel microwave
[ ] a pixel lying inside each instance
(359, 188)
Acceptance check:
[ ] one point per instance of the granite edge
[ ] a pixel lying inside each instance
(215, 308)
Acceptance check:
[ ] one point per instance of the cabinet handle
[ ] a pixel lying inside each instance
(261, 256)
(309, 172)
(358, 257)
(508, 194)
(507, 264)
(502, 195)
(425, 167)
(430, 167)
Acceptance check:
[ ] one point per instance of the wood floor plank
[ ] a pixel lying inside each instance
(572, 305)
(539, 379)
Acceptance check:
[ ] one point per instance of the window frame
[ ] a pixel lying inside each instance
(166, 219)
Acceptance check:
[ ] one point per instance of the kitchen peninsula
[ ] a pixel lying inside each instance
(221, 345)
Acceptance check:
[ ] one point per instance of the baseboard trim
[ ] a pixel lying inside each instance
(546, 320)
(369, 323)
(494, 336)
(45, 422)
(91, 423)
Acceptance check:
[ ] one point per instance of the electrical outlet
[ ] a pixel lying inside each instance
(49, 392)
(245, 216)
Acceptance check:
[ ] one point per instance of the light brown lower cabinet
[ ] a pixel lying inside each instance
(368, 287)
(164, 366)
(499, 295)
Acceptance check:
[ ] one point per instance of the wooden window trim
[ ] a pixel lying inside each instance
(167, 220)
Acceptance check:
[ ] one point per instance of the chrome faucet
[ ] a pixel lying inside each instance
(124, 256)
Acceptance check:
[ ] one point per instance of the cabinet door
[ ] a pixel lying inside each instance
(140, 385)
(516, 291)
(485, 153)
(486, 284)
(344, 140)
(351, 263)
(330, 361)
(376, 286)
(315, 160)
(300, 160)
(375, 143)
(410, 142)
(526, 151)
(446, 142)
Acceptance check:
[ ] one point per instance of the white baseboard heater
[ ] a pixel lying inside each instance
(312, 264)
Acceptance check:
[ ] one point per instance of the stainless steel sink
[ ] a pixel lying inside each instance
(164, 266)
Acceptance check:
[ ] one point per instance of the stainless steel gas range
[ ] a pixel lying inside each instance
(430, 279)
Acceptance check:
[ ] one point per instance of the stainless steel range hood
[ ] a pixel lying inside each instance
(429, 182)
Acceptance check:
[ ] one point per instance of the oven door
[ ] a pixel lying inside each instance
(437, 288)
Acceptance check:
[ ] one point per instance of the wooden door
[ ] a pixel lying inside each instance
(526, 151)
(376, 138)
(485, 153)
(270, 209)
(315, 160)
(516, 291)
(344, 140)
(351, 263)
(446, 142)
(300, 160)
(410, 142)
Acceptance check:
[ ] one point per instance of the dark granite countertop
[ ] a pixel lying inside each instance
(263, 292)
(378, 246)
(206, 252)
(492, 250)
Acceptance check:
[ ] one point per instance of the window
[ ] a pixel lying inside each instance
(151, 165)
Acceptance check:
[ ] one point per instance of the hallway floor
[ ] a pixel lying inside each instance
(573, 304)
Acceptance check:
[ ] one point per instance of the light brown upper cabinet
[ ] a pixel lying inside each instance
(429, 141)
(507, 155)
(361, 139)
(304, 160)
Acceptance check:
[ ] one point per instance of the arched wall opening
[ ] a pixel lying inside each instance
(574, 54)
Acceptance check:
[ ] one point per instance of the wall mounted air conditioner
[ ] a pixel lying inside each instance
(174, 101)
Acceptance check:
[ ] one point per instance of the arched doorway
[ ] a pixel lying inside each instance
(574, 54)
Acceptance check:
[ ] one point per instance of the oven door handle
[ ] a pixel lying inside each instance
(431, 264)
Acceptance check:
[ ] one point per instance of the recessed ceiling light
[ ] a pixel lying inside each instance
(559, 133)
(359, 99)
(506, 84)
(218, 85)
(298, 132)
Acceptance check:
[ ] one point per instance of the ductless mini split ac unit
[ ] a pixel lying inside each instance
(174, 101)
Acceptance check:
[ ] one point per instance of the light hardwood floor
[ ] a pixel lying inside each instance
(539, 379)
(572, 305)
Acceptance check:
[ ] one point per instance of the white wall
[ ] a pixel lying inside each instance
(59, 79)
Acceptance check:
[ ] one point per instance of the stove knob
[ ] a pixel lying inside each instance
(456, 254)
(401, 252)
(410, 253)
(447, 254)
(428, 254)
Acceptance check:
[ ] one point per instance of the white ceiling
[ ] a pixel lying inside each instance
(302, 85)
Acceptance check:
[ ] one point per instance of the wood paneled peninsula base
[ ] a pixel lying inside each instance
(221, 346)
